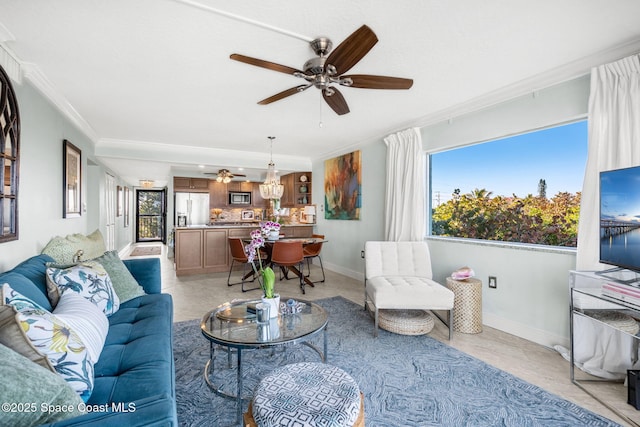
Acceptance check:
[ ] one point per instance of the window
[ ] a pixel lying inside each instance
(9, 155)
(524, 188)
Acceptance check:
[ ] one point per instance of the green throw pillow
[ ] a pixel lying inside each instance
(63, 249)
(25, 383)
(123, 282)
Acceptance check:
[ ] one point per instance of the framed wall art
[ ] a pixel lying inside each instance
(71, 180)
(342, 186)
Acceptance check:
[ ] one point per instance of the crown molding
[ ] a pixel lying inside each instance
(183, 154)
(10, 64)
(38, 79)
(570, 71)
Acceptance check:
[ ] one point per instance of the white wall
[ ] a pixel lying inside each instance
(531, 300)
(43, 129)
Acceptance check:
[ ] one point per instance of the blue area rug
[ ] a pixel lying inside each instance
(406, 380)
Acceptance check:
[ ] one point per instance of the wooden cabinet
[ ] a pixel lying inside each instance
(188, 251)
(297, 189)
(296, 231)
(197, 185)
(288, 197)
(216, 249)
(206, 250)
(240, 186)
(217, 195)
(256, 199)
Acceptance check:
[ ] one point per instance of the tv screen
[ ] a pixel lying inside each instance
(620, 218)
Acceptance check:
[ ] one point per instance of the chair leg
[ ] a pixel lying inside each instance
(301, 268)
(451, 324)
(375, 323)
(321, 268)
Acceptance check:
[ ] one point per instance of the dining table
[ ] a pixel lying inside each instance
(268, 246)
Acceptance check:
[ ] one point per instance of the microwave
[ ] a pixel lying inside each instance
(239, 198)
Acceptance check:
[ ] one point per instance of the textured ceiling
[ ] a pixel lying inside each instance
(152, 80)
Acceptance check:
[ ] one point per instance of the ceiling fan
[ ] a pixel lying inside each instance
(327, 69)
(223, 175)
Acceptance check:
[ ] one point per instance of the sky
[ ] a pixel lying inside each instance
(514, 165)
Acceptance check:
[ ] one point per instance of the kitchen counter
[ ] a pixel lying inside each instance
(201, 249)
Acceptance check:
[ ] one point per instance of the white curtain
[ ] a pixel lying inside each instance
(614, 142)
(404, 218)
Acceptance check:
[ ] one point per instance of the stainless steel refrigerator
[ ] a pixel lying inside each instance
(192, 209)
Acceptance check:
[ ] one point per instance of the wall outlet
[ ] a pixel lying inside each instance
(493, 282)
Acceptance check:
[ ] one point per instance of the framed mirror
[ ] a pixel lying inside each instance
(9, 155)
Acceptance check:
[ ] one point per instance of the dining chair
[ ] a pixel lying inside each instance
(312, 250)
(239, 255)
(289, 256)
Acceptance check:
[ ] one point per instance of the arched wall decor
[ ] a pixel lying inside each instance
(10, 156)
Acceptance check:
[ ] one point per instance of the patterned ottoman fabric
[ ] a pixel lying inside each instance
(306, 394)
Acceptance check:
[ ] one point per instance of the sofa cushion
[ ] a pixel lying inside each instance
(90, 280)
(85, 319)
(30, 280)
(399, 292)
(124, 284)
(53, 338)
(26, 383)
(64, 249)
(137, 359)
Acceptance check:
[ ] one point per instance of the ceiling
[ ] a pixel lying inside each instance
(151, 82)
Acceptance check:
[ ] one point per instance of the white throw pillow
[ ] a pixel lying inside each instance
(85, 319)
(55, 339)
(89, 280)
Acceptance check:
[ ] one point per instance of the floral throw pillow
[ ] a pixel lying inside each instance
(90, 280)
(53, 338)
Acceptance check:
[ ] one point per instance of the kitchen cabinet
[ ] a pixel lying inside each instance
(240, 186)
(216, 249)
(193, 185)
(297, 189)
(288, 197)
(256, 199)
(206, 250)
(217, 195)
(188, 251)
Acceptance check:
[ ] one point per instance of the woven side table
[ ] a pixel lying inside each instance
(467, 305)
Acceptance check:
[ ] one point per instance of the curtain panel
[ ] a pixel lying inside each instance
(404, 216)
(614, 142)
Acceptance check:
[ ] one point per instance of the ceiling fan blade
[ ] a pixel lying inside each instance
(264, 64)
(336, 101)
(283, 94)
(238, 174)
(352, 49)
(366, 81)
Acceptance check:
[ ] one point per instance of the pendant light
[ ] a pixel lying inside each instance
(271, 189)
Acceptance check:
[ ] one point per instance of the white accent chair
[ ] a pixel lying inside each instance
(398, 276)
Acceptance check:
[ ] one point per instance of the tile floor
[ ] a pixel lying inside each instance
(544, 367)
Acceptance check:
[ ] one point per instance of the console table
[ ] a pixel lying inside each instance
(589, 307)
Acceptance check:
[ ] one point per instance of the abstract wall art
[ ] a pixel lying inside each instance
(343, 186)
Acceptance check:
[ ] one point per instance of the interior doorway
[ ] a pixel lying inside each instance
(151, 215)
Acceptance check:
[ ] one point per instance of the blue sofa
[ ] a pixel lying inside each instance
(135, 373)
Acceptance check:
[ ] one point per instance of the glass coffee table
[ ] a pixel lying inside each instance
(232, 328)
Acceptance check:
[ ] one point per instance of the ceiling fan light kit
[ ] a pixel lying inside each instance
(326, 70)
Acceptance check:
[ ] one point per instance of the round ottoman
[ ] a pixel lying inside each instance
(406, 322)
(306, 394)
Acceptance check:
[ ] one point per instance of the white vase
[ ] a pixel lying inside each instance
(274, 235)
(274, 305)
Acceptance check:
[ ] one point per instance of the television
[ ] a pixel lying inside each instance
(620, 218)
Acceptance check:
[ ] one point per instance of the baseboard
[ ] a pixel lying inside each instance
(523, 331)
(358, 275)
(124, 251)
